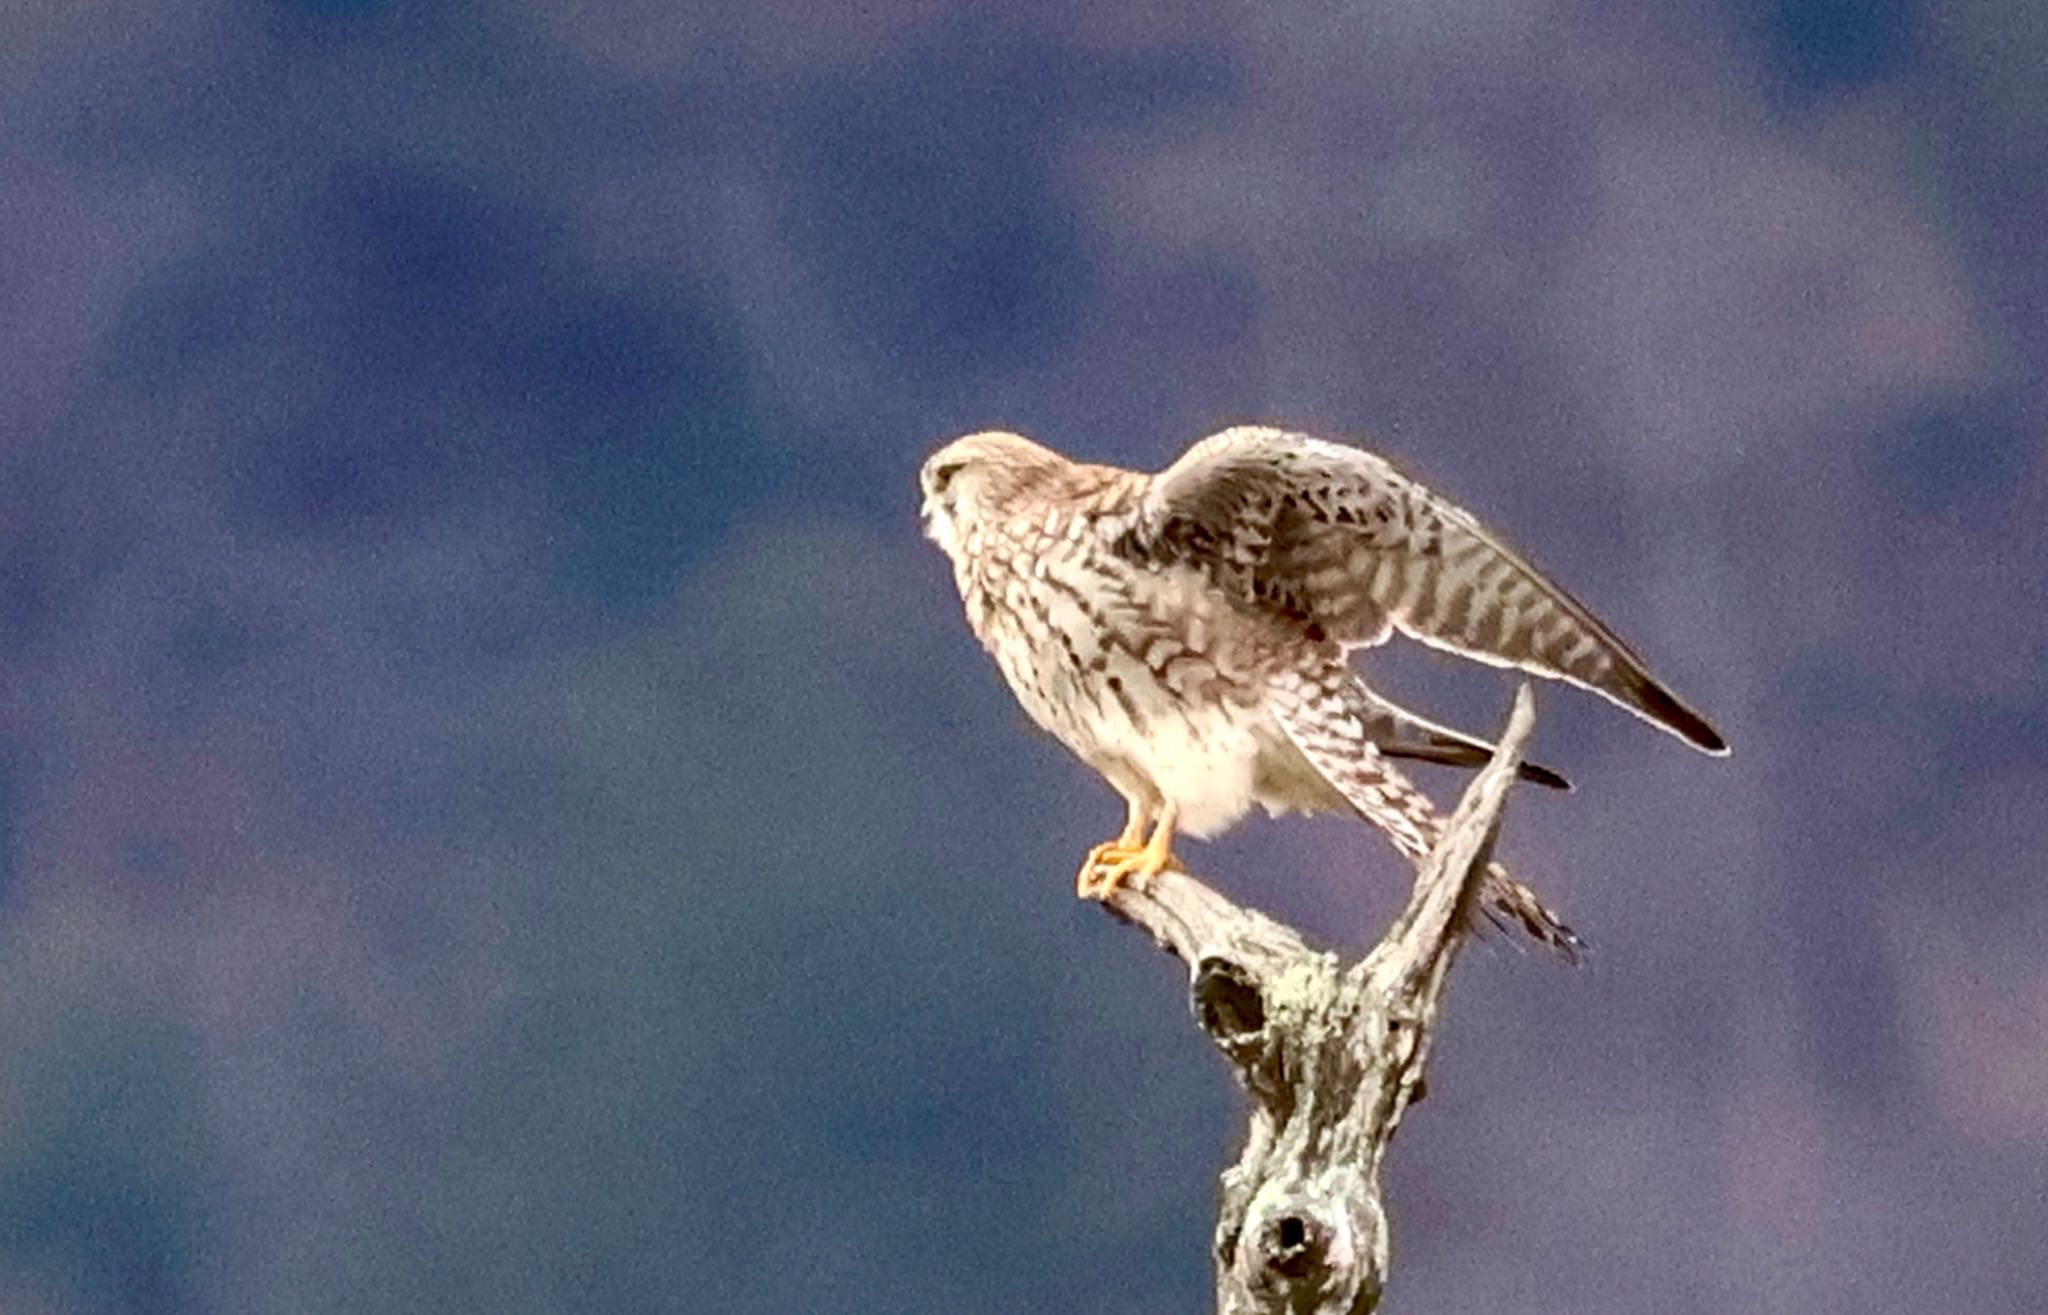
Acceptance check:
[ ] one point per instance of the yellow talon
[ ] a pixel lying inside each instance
(1111, 853)
(1108, 854)
(1114, 862)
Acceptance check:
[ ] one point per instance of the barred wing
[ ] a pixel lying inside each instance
(1337, 542)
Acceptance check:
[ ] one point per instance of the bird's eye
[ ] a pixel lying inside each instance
(943, 475)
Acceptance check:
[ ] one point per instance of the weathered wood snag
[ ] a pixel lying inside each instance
(1330, 1055)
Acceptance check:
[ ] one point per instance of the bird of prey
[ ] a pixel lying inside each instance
(1187, 633)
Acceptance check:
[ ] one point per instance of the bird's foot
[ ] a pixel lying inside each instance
(1110, 864)
(1107, 855)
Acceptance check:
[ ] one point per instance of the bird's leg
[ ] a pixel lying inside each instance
(1137, 866)
(1114, 851)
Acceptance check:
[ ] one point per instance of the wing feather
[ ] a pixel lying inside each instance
(1399, 732)
(1337, 542)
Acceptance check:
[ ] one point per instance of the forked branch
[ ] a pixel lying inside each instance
(1330, 1055)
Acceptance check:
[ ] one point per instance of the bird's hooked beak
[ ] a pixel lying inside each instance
(940, 508)
(936, 522)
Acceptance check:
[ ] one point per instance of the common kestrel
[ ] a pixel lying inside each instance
(1187, 633)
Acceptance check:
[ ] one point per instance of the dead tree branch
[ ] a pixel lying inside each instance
(1330, 1055)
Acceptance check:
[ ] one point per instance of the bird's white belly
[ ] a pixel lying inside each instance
(1201, 756)
(1152, 710)
(1211, 758)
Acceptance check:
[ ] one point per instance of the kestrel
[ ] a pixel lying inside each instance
(1187, 634)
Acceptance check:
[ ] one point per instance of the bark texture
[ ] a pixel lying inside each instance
(1331, 1056)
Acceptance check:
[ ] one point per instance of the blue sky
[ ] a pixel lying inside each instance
(499, 810)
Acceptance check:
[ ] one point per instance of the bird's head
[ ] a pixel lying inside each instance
(973, 476)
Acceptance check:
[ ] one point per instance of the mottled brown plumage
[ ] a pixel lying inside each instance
(1186, 633)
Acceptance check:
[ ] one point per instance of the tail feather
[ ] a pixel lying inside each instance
(1327, 721)
(1509, 905)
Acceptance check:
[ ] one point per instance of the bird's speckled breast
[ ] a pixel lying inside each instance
(1148, 675)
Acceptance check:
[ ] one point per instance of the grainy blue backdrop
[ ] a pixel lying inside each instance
(499, 812)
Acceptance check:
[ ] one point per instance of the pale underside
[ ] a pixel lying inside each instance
(1149, 685)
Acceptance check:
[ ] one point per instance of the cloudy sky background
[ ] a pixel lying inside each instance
(498, 808)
